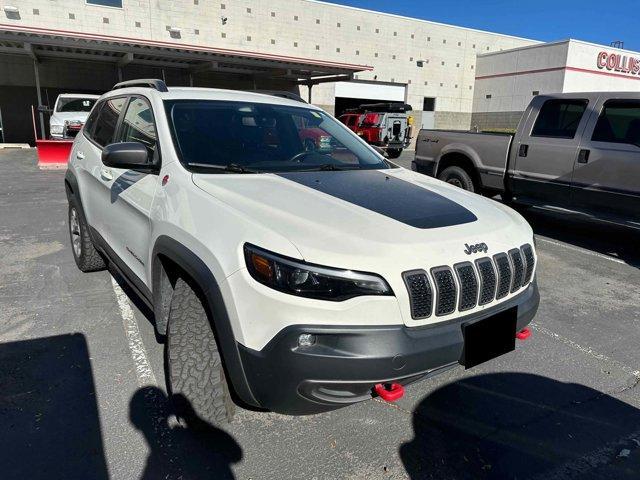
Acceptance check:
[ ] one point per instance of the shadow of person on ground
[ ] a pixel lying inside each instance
(518, 426)
(49, 423)
(200, 451)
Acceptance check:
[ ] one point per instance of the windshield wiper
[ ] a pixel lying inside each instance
(328, 167)
(230, 168)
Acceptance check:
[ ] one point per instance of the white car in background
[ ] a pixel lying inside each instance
(69, 114)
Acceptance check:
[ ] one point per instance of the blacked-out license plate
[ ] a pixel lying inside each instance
(489, 338)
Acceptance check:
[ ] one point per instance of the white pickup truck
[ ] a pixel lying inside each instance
(578, 153)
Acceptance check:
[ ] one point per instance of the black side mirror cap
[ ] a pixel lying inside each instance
(128, 155)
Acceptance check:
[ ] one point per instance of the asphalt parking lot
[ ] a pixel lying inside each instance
(82, 386)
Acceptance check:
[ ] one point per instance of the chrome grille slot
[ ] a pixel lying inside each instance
(420, 293)
(504, 274)
(518, 269)
(446, 290)
(468, 285)
(487, 280)
(527, 253)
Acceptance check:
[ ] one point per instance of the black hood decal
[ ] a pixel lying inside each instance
(386, 195)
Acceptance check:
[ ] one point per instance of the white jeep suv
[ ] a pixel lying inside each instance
(289, 265)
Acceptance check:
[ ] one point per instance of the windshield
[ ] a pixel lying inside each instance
(70, 104)
(264, 138)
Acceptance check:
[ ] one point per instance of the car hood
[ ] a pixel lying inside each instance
(370, 220)
(58, 118)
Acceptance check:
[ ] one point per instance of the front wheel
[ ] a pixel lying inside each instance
(458, 177)
(195, 375)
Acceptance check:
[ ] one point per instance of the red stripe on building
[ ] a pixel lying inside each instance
(554, 69)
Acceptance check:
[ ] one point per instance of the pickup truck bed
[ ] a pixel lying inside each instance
(485, 154)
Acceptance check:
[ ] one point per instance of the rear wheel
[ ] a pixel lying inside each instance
(87, 258)
(195, 374)
(458, 177)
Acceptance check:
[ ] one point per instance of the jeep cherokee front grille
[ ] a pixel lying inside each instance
(504, 275)
(479, 283)
(487, 280)
(518, 269)
(420, 293)
(527, 253)
(468, 286)
(445, 290)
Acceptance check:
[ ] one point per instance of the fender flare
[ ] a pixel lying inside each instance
(221, 324)
(464, 151)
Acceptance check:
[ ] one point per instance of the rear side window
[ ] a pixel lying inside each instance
(559, 118)
(107, 121)
(619, 122)
(88, 126)
(138, 125)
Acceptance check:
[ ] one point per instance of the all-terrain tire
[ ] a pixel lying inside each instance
(87, 258)
(459, 177)
(195, 375)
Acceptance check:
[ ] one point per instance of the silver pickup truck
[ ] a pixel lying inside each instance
(577, 152)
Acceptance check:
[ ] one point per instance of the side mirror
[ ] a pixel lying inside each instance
(44, 109)
(128, 155)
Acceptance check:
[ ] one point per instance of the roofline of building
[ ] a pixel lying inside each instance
(558, 42)
(182, 46)
(420, 20)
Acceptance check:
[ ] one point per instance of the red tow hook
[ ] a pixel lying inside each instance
(523, 334)
(389, 392)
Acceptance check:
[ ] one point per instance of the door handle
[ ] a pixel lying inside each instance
(523, 150)
(80, 155)
(583, 156)
(106, 174)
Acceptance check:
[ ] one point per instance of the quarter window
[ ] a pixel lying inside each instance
(559, 118)
(619, 122)
(138, 125)
(107, 121)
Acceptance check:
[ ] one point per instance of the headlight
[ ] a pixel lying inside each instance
(57, 129)
(313, 281)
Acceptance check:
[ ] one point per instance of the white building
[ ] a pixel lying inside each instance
(506, 81)
(87, 45)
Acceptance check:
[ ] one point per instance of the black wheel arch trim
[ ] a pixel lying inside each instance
(204, 278)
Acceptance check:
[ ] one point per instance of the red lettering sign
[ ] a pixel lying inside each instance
(618, 63)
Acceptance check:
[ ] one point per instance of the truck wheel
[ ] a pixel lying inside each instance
(87, 258)
(195, 376)
(394, 152)
(457, 176)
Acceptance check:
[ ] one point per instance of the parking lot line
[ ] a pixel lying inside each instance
(581, 250)
(144, 373)
(588, 350)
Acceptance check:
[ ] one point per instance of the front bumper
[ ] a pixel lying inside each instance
(346, 362)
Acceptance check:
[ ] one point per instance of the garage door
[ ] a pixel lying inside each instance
(370, 91)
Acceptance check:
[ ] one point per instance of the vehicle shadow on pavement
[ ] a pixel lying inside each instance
(200, 451)
(609, 240)
(516, 426)
(48, 412)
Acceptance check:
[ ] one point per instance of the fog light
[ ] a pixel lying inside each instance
(306, 340)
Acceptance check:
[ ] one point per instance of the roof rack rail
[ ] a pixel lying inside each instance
(281, 94)
(143, 82)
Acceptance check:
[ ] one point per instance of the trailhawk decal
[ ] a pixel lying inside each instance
(389, 196)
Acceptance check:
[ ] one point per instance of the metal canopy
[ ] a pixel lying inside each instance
(40, 43)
